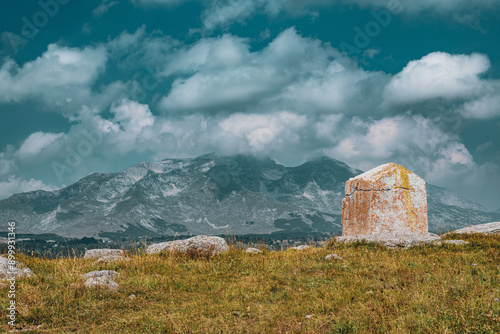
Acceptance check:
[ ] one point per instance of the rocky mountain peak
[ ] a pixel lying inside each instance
(212, 194)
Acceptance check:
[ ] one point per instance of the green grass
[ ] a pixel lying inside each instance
(428, 289)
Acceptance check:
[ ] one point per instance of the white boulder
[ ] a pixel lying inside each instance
(489, 228)
(97, 253)
(301, 247)
(253, 250)
(10, 268)
(111, 258)
(199, 245)
(101, 279)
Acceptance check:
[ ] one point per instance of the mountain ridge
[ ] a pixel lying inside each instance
(212, 194)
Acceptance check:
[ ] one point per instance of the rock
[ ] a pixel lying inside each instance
(333, 257)
(97, 253)
(456, 242)
(489, 228)
(101, 279)
(111, 258)
(111, 274)
(393, 240)
(309, 316)
(101, 282)
(199, 245)
(253, 250)
(301, 247)
(386, 199)
(15, 268)
(132, 297)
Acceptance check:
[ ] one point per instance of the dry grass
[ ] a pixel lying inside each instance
(429, 289)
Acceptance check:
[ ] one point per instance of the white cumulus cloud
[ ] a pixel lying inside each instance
(14, 185)
(437, 75)
(36, 142)
(292, 72)
(60, 74)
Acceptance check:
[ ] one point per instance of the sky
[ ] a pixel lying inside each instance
(99, 85)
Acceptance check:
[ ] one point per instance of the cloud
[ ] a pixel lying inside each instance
(415, 7)
(60, 75)
(141, 49)
(293, 99)
(208, 54)
(419, 144)
(221, 13)
(14, 185)
(341, 87)
(262, 133)
(291, 72)
(169, 3)
(36, 142)
(130, 120)
(416, 142)
(103, 8)
(485, 108)
(484, 146)
(456, 153)
(486, 104)
(224, 13)
(7, 165)
(248, 77)
(371, 53)
(437, 75)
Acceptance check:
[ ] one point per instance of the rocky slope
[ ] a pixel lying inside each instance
(211, 195)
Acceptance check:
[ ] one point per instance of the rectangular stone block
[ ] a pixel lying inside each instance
(386, 199)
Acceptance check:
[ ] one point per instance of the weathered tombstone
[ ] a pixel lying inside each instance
(387, 203)
(386, 199)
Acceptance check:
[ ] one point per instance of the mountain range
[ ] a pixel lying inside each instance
(213, 195)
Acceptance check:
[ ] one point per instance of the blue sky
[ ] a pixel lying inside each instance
(95, 86)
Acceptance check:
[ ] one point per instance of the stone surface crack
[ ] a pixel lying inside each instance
(388, 189)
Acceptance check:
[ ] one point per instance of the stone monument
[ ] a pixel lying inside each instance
(387, 204)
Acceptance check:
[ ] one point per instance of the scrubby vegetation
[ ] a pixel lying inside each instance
(428, 289)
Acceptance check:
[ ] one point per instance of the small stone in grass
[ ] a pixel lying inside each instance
(456, 242)
(253, 250)
(97, 253)
(101, 282)
(301, 248)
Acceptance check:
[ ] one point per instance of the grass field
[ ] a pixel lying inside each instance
(427, 289)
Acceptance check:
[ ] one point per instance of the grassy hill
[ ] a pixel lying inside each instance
(427, 289)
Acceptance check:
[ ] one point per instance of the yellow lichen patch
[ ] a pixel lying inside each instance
(405, 185)
(405, 180)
